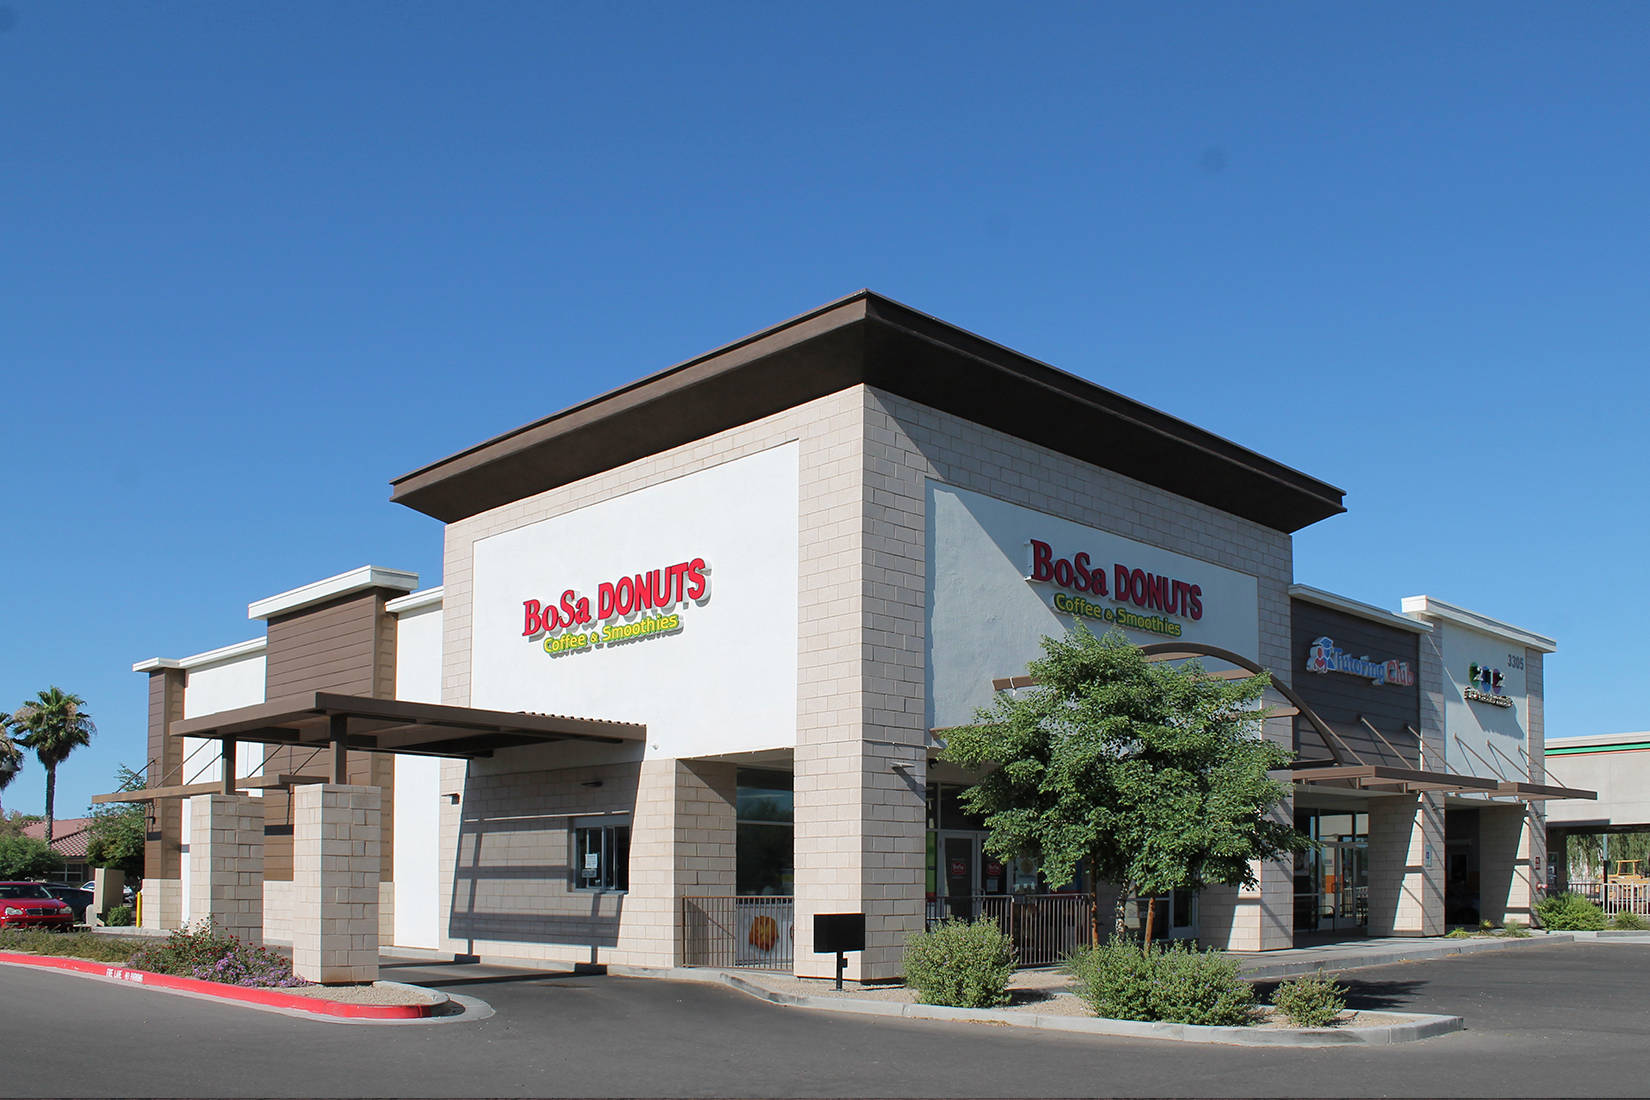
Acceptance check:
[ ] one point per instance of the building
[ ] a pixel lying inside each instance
(693, 638)
(69, 838)
(1617, 765)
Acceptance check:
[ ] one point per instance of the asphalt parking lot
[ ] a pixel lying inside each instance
(1542, 1020)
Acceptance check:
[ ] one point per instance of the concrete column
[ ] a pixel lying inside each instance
(1505, 841)
(226, 863)
(860, 848)
(1251, 918)
(162, 903)
(335, 860)
(1406, 865)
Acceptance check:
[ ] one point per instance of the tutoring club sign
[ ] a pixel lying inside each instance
(1324, 656)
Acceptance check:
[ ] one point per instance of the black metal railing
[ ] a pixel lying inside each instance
(1045, 928)
(755, 932)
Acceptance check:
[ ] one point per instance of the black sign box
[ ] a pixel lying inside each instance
(839, 932)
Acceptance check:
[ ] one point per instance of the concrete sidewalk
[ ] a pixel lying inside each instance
(1351, 954)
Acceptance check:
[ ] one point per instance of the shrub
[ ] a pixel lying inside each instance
(119, 917)
(1515, 930)
(960, 963)
(1629, 922)
(1175, 983)
(202, 951)
(1459, 934)
(1202, 987)
(1312, 1001)
(1115, 979)
(74, 945)
(1569, 913)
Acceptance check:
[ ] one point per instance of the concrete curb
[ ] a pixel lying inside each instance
(260, 998)
(1416, 1027)
(1627, 934)
(1293, 969)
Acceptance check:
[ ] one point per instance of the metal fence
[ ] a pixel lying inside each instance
(1616, 897)
(755, 932)
(1045, 928)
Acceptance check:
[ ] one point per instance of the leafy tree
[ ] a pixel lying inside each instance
(1153, 776)
(53, 725)
(118, 829)
(27, 857)
(11, 756)
(15, 822)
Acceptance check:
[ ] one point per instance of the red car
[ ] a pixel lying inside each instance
(27, 905)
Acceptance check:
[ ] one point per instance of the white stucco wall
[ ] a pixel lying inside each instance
(1620, 775)
(986, 616)
(737, 642)
(213, 686)
(1482, 739)
(417, 795)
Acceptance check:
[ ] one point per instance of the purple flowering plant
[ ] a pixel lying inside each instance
(202, 951)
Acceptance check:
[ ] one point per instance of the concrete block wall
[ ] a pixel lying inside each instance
(908, 443)
(1541, 871)
(162, 903)
(1506, 880)
(831, 696)
(226, 863)
(335, 875)
(510, 891)
(278, 911)
(1406, 865)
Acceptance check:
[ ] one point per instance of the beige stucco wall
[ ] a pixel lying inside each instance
(860, 749)
(908, 443)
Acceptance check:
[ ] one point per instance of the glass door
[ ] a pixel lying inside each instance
(1343, 887)
(959, 873)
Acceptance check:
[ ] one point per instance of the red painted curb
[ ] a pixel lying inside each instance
(273, 998)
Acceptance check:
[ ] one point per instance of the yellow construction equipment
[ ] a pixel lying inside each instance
(1629, 871)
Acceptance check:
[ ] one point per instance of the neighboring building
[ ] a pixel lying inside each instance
(1617, 766)
(69, 837)
(694, 635)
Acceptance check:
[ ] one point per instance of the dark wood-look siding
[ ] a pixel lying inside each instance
(162, 854)
(345, 645)
(330, 647)
(1340, 699)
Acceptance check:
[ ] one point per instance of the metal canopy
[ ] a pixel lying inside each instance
(366, 724)
(216, 786)
(1396, 780)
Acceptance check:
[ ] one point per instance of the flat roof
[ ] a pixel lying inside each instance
(1308, 594)
(330, 588)
(1430, 607)
(871, 340)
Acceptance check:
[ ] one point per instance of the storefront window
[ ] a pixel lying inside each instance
(766, 833)
(601, 856)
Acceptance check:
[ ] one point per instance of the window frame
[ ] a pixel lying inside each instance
(611, 877)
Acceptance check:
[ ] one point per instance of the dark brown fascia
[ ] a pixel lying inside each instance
(871, 340)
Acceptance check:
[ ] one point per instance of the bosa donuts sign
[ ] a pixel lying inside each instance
(1158, 600)
(577, 622)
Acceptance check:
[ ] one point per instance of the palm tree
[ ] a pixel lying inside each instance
(11, 757)
(53, 726)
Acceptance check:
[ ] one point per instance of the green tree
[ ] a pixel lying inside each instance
(1151, 775)
(11, 756)
(118, 829)
(27, 857)
(53, 725)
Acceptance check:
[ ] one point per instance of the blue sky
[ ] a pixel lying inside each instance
(255, 260)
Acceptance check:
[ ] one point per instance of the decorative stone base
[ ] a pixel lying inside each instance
(226, 863)
(162, 903)
(335, 872)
